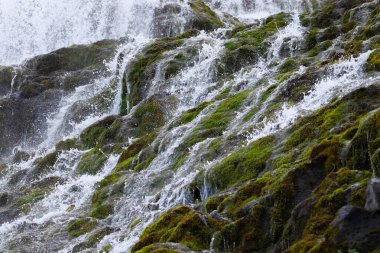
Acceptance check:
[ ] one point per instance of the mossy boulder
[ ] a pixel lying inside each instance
(204, 18)
(151, 114)
(373, 63)
(74, 58)
(94, 135)
(180, 225)
(45, 164)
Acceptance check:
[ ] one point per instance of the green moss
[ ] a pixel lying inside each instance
(31, 198)
(244, 164)
(213, 202)
(284, 194)
(306, 245)
(208, 19)
(253, 190)
(289, 64)
(138, 76)
(77, 57)
(101, 211)
(245, 234)
(330, 33)
(327, 152)
(325, 16)
(225, 111)
(311, 38)
(106, 249)
(248, 44)
(269, 27)
(180, 225)
(66, 144)
(172, 69)
(190, 115)
(365, 143)
(267, 93)
(333, 193)
(136, 147)
(305, 19)
(92, 162)
(45, 164)
(150, 115)
(94, 134)
(347, 24)
(373, 62)
(81, 226)
(216, 123)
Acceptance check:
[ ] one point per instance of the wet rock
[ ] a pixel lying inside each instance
(6, 77)
(203, 17)
(299, 86)
(373, 195)
(4, 199)
(20, 156)
(18, 177)
(41, 83)
(167, 20)
(9, 214)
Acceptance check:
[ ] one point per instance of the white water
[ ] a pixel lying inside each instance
(44, 25)
(30, 28)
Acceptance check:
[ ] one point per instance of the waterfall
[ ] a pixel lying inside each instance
(37, 27)
(31, 28)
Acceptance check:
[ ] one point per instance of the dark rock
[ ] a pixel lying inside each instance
(356, 228)
(6, 77)
(167, 20)
(41, 83)
(4, 199)
(9, 214)
(373, 195)
(298, 87)
(20, 156)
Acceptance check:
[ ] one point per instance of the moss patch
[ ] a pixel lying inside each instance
(81, 226)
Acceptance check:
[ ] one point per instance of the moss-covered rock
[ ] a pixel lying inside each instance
(373, 63)
(6, 76)
(81, 226)
(246, 163)
(94, 134)
(92, 162)
(142, 69)
(180, 225)
(101, 211)
(74, 58)
(44, 164)
(248, 44)
(205, 18)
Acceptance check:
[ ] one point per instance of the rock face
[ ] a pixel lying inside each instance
(226, 137)
(40, 84)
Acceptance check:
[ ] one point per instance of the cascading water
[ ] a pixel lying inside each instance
(37, 27)
(42, 26)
